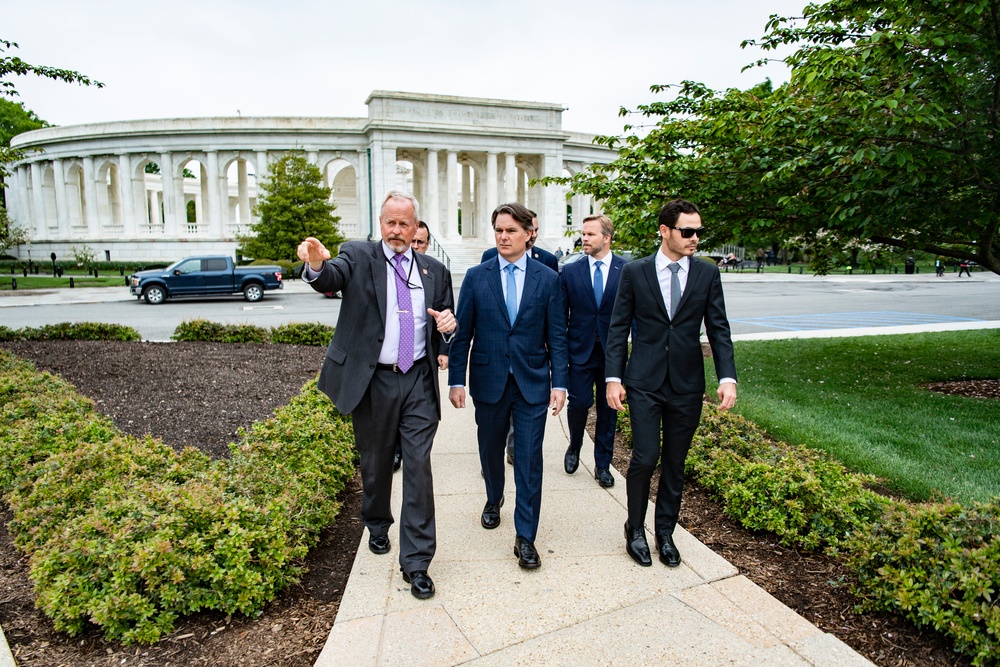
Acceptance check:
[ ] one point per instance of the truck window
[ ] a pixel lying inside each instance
(214, 264)
(190, 266)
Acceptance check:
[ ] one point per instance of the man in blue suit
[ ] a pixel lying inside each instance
(510, 313)
(589, 289)
(537, 254)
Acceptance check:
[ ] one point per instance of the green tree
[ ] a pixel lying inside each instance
(13, 66)
(15, 119)
(10, 234)
(295, 204)
(886, 134)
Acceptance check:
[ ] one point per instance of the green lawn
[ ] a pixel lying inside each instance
(860, 399)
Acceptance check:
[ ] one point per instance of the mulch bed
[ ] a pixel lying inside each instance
(199, 394)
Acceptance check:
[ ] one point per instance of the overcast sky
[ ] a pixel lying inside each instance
(323, 58)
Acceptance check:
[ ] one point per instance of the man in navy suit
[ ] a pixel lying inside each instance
(668, 295)
(537, 254)
(589, 289)
(510, 312)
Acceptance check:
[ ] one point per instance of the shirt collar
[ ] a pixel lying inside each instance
(606, 261)
(662, 261)
(390, 253)
(521, 263)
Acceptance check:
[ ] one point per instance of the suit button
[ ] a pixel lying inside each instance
(666, 349)
(371, 365)
(511, 333)
(506, 356)
(671, 326)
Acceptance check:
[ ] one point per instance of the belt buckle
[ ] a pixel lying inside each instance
(395, 368)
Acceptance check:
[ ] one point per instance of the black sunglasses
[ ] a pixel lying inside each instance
(688, 232)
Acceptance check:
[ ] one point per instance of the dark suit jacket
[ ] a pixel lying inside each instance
(534, 347)
(584, 320)
(359, 273)
(537, 254)
(660, 343)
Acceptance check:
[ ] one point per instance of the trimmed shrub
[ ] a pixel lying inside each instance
(799, 494)
(938, 565)
(72, 331)
(303, 334)
(128, 535)
(214, 332)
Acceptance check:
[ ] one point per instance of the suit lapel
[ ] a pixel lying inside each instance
(531, 280)
(614, 273)
(379, 277)
(694, 275)
(493, 278)
(649, 270)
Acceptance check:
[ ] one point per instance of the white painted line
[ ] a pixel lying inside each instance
(263, 307)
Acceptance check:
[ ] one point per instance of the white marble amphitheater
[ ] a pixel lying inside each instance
(165, 189)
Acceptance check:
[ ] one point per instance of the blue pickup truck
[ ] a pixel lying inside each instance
(201, 276)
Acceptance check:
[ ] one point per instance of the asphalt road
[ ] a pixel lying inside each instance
(757, 304)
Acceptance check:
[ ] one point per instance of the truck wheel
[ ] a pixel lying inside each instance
(154, 294)
(253, 292)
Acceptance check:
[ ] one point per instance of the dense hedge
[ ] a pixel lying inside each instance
(127, 534)
(936, 564)
(72, 331)
(214, 332)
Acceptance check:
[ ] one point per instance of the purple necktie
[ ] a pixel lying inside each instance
(404, 306)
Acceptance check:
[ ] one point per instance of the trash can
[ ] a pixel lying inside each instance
(909, 265)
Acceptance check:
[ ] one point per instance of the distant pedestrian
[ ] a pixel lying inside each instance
(939, 267)
(558, 253)
(964, 266)
(760, 259)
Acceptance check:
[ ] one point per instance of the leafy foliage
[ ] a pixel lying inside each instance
(887, 133)
(799, 494)
(128, 535)
(936, 565)
(72, 331)
(292, 334)
(14, 66)
(294, 205)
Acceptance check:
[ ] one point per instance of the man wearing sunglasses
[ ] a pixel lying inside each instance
(668, 295)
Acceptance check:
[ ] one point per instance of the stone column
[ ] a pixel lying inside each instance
(362, 187)
(62, 211)
(38, 201)
(522, 193)
(552, 213)
(451, 205)
(213, 190)
(433, 215)
(510, 179)
(312, 156)
(244, 193)
(91, 206)
(261, 167)
(24, 200)
(383, 176)
(491, 196)
(468, 214)
(155, 220)
(125, 181)
(171, 219)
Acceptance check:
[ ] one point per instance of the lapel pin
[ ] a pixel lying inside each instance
(425, 272)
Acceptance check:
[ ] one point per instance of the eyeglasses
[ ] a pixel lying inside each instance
(418, 243)
(688, 232)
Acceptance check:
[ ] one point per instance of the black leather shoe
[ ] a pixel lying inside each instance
(669, 555)
(397, 460)
(421, 586)
(379, 544)
(510, 455)
(572, 461)
(491, 515)
(527, 556)
(636, 545)
(604, 477)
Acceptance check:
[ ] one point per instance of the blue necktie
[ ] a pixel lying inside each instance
(598, 283)
(511, 293)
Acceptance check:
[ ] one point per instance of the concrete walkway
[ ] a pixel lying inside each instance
(589, 603)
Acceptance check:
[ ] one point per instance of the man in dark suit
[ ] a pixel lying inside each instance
(381, 369)
(510, 312)
(583, 283)
(669, 295)
(538, 254)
